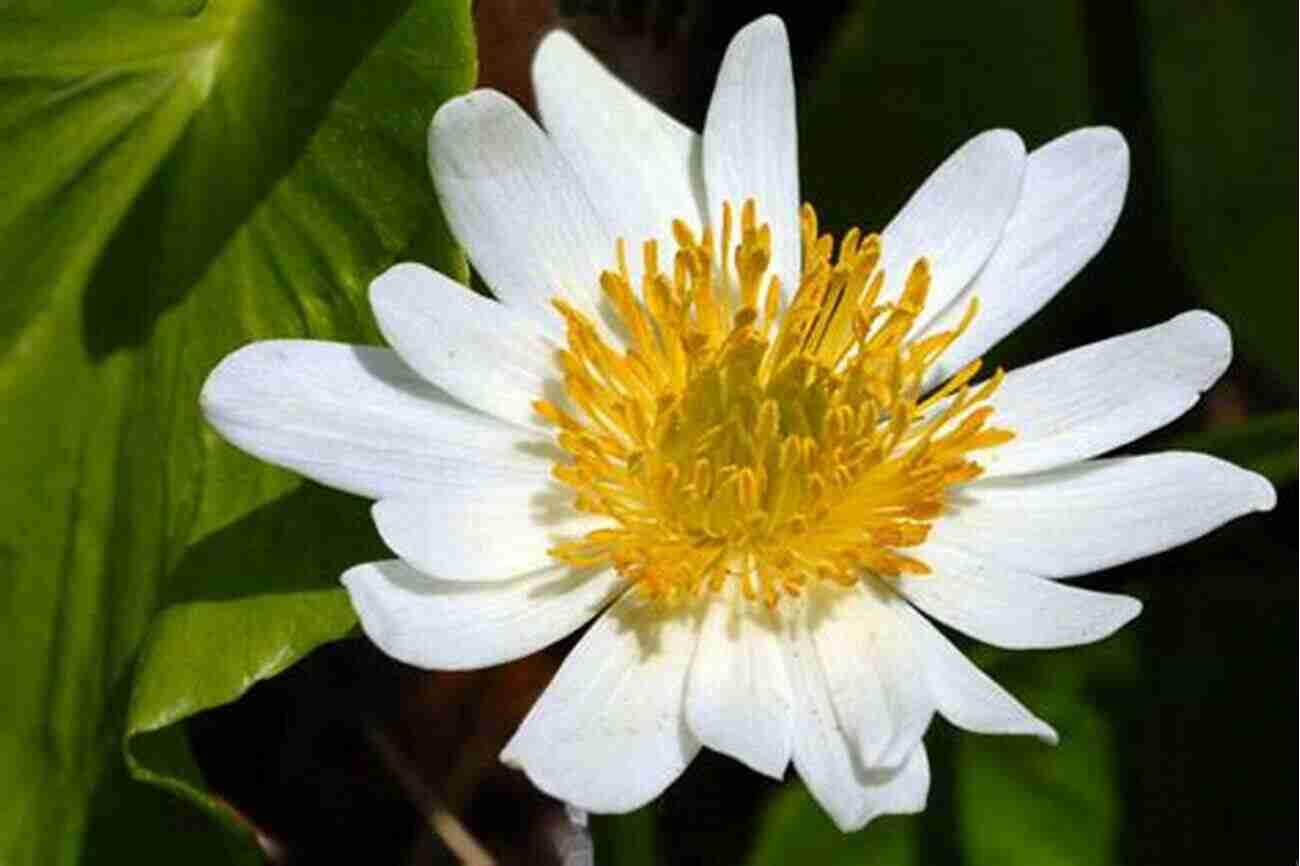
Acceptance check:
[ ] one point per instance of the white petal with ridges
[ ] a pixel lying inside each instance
(608, 734)
(1073, 192)
(902, 790)
(1008, 608)
(1098, 397)
(1100, 513)
(492, 530)
(444, 625)
(751, 143)
(845, 633)
(870, 670)
(955, 218)
(850, 794)
(357, 418)
(910, 704)
(517, 207)
(964, 694)
(482, 352)
(738, 699)
(640, 168)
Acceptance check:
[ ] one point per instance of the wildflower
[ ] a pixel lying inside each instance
(759, 458)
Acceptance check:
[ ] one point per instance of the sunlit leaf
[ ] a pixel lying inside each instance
(178, 181)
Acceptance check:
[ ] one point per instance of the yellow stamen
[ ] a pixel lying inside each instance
(731, 440)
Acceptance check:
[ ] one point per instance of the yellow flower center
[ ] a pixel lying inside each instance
(735, 441)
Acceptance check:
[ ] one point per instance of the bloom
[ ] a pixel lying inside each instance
(757, 457)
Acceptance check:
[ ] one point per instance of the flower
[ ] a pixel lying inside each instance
(759, 459)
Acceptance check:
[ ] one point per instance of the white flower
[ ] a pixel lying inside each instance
(720, 447)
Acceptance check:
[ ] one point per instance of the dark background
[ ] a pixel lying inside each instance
(1178, 737)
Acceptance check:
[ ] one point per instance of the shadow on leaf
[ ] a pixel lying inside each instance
(276, 75)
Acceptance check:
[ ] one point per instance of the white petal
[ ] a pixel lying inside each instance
(900, 791)
(357, 418)
(485, 354)
(1093, 515)
(871, 672)
(844, 633)
(850, 794)
(751, 143)
(442, 625)
(490, 530)
(965, 696)
(639, 167)
(955, 219)
(1073, 192)
(1095, 398)
(608, 733)
(738, 698)
(517, 207)
(1004, 607)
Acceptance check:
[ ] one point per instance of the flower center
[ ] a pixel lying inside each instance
(736, 441)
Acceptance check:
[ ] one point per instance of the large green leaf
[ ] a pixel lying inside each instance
(179, 181)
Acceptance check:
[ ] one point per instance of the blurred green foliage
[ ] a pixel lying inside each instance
(179, 181)
(794, 829)
(1266, 444)
(1023, 802)
(1222, 95)
(900, 88)
(625, 839)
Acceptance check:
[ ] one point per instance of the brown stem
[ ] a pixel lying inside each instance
(441, 821)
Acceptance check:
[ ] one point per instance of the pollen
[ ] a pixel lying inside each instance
(738, 438)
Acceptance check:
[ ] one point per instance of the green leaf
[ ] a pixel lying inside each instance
(178, 182)
(1266, 445)
(149, 824)
(249, 612)
(1022, 802)
(794, 829)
